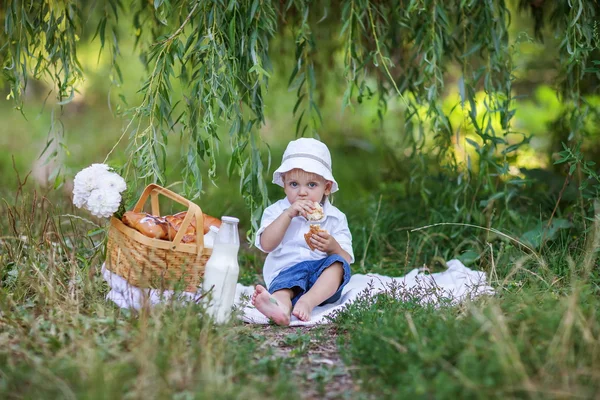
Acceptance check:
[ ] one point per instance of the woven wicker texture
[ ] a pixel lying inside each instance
(153, 263)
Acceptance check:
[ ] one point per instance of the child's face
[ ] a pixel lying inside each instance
(299, 184)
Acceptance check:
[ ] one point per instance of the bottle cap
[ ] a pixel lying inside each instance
(213, 228)
(230, 219)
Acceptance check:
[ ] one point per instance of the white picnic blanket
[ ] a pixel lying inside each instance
(456, 284)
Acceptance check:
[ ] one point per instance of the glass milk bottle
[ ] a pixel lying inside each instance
(221, 271)
(209, 238)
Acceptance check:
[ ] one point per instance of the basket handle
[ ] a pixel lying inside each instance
(193, 211)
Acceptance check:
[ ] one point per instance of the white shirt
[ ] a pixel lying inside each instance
(293, 248)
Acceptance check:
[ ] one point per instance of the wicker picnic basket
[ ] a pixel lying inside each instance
(153, 263)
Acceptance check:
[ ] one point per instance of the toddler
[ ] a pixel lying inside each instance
(298, 279)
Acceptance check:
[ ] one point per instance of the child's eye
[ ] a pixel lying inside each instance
(312, 185)
(293, 184)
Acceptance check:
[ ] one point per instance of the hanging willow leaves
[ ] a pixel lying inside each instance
(218, 52)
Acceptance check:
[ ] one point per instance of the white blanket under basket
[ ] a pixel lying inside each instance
(455, 284)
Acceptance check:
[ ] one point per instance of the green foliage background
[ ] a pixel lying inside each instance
(449, 76)
(459, 129)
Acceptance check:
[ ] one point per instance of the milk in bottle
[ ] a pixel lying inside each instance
(209, 238)
(221, 271)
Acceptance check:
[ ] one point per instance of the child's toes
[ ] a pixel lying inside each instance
(302, 311)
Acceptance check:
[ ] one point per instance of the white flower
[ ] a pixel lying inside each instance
(103, 203)
(99, 167)
(108, 185)
(79, 197)
(112, 181)
(86, 180)
(89, 178)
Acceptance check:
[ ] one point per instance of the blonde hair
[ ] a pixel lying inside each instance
(298, 173)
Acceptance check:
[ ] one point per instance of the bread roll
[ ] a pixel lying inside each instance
(177, 219)
(317, 213)
(210, 221)
(148, 225)
(175, 222)
(166, 228)
(313, 230)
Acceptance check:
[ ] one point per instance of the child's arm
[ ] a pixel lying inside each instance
(273, 234)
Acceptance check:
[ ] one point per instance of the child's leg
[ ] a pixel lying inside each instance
(276, 306)
(328, 283)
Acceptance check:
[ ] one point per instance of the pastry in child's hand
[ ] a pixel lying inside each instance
(314, 230)
(317, 214)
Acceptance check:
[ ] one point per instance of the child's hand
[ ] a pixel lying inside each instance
(300, 207)
(324, 242)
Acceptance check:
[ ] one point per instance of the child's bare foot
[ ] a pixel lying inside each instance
(270, 307)
(302, 310)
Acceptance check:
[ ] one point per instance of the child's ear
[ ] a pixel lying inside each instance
(328, 185)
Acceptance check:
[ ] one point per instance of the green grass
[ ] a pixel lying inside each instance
(101, 352)
(61, 339)
(538, 337)
(533, 343)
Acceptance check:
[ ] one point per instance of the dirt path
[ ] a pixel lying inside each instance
(317, 364)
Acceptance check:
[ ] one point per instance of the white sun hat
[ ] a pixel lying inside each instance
(309, 155)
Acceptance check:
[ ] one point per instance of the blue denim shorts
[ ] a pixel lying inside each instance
(302, 276)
